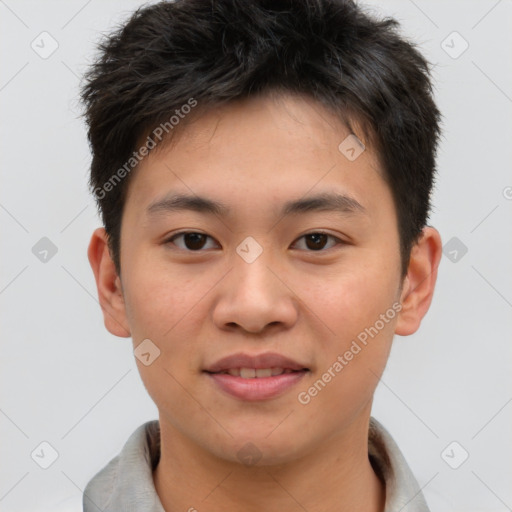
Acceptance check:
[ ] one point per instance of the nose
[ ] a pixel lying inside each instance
(255, 297)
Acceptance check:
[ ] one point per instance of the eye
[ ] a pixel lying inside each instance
(192, 240)
(316, 241)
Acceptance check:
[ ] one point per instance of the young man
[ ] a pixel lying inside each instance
(263, 171)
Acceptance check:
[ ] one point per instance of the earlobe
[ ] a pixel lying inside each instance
(419, 284)
(108, 283)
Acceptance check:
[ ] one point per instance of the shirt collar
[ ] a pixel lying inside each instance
(403, 493)
(126, 482)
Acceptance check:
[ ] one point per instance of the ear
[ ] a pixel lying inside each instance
(420, 281)
(109, 285)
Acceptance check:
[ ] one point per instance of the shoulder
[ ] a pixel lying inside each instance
(127, 478)
(390, 465)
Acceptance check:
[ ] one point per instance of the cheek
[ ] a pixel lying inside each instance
(160, 299)
(349, 367)
(164, 310)
(351, 298)
(359, 309)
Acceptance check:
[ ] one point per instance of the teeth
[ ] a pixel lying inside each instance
(247, 373)
(263, 372)
(251, 373)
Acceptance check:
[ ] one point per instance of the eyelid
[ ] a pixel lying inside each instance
(169, 239)
(321, 232)
(313, 232)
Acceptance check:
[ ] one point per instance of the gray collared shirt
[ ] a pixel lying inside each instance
(125, 484)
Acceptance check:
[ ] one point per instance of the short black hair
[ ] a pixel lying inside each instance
(172, 56)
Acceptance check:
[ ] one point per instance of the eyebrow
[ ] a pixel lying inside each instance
(335, 202)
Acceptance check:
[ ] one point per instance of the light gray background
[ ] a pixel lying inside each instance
(67, 381)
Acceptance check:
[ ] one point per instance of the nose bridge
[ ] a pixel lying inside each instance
(251, 273)
(253, 296)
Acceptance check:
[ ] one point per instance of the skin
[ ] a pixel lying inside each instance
(198, 306)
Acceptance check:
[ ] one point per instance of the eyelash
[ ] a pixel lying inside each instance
(181, 233)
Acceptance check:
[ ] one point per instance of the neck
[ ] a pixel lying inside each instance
(334, 477)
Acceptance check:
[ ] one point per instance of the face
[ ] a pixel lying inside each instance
(253, 277)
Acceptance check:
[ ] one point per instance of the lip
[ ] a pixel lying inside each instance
(258, 361)
(259, 388)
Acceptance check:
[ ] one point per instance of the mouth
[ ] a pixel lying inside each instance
(256, 373)
(259, 377)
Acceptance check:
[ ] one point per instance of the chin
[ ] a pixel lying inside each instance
(259, 452)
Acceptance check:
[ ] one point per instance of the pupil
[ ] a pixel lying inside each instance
(317, 239)
(194, 240)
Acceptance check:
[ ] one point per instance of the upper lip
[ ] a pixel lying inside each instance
(266, 360)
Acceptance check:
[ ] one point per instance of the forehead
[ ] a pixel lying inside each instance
(296, 116)
(266, 144)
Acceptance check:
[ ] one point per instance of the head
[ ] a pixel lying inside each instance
(304, 135)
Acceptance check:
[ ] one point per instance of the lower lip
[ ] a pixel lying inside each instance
(262, 388)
